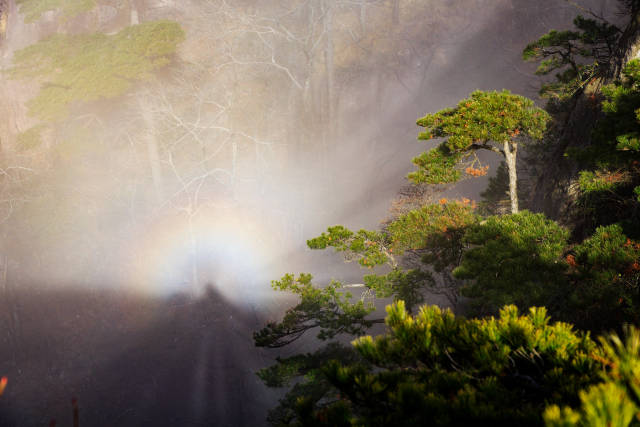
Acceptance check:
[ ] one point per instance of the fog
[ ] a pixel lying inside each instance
(140, 234)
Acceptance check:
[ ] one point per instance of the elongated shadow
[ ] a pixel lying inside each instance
(130, 360)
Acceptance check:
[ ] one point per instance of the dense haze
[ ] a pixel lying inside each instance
(139, 233)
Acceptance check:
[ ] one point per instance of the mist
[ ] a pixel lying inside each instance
(139, 232)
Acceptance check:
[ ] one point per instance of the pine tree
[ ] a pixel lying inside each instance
(438, 369)
(614, 402)
(33, 9)
(596, 51)
(494, 121)
(514, 259)
(575, 56)
(604, 276)
(82, 68)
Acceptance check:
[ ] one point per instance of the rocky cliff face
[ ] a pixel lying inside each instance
(553, 176)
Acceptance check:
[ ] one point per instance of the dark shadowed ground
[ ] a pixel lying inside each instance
(130, 361)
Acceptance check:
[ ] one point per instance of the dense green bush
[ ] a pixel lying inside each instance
(435, 368)
(81, 68)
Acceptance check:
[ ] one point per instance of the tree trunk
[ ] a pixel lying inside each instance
(4, 17)
(234, 166)
(627, 47)
(363, 18)
(330, 70)
(195, 279)
(152, 142)
(510, 151)
(136, 7)
(152, 149)
(5, 272)
(395, 14)
(329, 126)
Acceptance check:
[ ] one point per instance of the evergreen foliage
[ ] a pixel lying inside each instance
(33, 9)
(82, 68)
(373, 249)
(513, 259)
(575, 56)
(493, 121)
(433, 233)
(615, 401)
(436, 232)
(434, 368)
(408, 286)
(305, 374)
(437, 228)
(29, 139)
(593, 182)
(605, 276)
(438, 369)
(370, 248)
(479, 122)
(484, 118)
(617, 136)
(331, 309)
(505, 259)
(328, 309)
(611, 163)
(436, 166)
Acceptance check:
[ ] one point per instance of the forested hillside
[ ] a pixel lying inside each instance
(571, 355)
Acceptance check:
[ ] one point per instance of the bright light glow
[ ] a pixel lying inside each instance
(225, 249)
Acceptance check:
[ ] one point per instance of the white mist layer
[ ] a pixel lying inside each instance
(238, 234)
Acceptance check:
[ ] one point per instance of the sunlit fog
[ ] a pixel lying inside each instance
(161, 162)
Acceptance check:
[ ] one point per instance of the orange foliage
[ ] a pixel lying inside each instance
(3, 384)
(477, 172)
